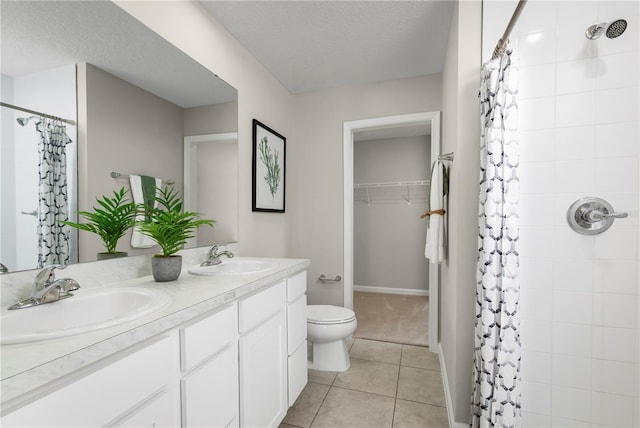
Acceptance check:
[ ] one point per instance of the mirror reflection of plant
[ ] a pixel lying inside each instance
(270, 160)
(169, 226)
(110, 222)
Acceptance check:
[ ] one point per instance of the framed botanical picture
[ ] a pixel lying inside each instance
(268, 169)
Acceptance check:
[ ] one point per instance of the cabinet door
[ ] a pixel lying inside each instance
(297, 372)
(156, 413)
(210, 392)
(263, 373)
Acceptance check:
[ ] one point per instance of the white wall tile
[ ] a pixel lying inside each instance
(570, 403)
(573, 275)
(568, 423)
(576, 109)
(571, 245)
(536, 367)
(618, 71)
(615, 276)
(574, 143)
(617, 175)
(616, 344)
(617, 105)
(535, 420)
(611, 410)
(575, 176)
(537, 81)
(573, 45)
(572, 307)
(535, 305)
(579, 75)
(536, 241)
(540, 16)
(617, 140)
(537, 177)
(537, 145)
(613, 377)
(537, 48)
(609, 10)
(572, 339)
(617, 243)
(536, 273)
(614, 310)
(536, 335)
(570, 371)
(537, 396)
(536, 113)
(577, 17)
(537, 210)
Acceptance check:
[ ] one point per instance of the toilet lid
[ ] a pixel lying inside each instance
(327, 314)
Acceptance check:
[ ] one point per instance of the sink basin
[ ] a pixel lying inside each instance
(233, 267)
(84, 312)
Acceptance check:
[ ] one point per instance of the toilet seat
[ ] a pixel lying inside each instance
(327, 314)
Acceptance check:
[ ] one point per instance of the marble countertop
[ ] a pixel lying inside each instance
(30, 366)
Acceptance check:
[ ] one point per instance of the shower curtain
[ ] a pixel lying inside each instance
(53, 207)
(497, 350)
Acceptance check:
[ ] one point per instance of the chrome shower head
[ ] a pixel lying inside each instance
(24, 120)
(611, 30)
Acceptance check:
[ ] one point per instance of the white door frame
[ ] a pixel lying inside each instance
(432, 118)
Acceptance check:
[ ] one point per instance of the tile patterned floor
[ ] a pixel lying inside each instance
(389, 385)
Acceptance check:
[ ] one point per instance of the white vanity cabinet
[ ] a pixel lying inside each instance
(296, 335)
(263, 357)
(209, 367)
(135, 390)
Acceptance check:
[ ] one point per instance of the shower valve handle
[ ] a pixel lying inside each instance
(596, 215)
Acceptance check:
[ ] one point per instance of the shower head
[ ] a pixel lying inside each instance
(611, 30)
(24, 120)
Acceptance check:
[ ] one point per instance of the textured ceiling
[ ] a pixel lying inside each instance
(41, 35)
(311, 45)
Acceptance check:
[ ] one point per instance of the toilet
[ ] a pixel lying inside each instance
(328, 327)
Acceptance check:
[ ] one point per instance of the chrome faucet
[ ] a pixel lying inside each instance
(47, 289)
(213, 256)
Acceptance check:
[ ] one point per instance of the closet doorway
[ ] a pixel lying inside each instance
(381, 130)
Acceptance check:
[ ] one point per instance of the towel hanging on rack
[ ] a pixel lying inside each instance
(143, 191)
(435, 246)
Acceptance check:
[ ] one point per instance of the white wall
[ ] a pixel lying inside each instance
(389, 235)
(461, 135)
(579, 137)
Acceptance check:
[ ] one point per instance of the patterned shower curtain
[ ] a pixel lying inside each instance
(53, 237)
(496, 369)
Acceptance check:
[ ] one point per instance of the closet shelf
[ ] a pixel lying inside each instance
(395, 192)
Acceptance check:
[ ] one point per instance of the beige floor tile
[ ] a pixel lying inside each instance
(283, 425)
(325, 378)
(369, 376)
(424, 386)
(373, 350)
(353, 409)
(420, 357)
(303, 411)
(409, 414)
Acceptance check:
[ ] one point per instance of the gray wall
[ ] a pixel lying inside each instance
(389, 236)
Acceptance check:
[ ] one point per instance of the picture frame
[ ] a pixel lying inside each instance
(269, 165)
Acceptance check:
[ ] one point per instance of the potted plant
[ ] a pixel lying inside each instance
(110, 222)
(170, 227)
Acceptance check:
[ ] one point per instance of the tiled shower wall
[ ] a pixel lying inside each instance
(579, 137)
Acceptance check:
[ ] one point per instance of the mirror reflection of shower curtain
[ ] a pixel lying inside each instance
(53, 204)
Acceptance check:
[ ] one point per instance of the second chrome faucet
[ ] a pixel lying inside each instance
(214, 254)
(47, 289)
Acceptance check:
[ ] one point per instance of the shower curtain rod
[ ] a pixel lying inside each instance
(501, 46)
(37, 113)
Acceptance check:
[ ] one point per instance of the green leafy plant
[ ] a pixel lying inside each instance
(111, 221)
(270, 160)
(169, 226)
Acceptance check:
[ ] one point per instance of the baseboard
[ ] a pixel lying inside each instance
(447, 393)
(389, 290)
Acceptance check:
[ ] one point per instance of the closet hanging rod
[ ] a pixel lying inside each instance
(392, 184)
(37, 113)
(118, 175)
(501, 46)
(446, 156)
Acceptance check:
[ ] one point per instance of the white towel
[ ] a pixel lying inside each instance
(138, 240)
(434, 248)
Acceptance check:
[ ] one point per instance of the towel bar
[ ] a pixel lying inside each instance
(118, 175)
(323, 278)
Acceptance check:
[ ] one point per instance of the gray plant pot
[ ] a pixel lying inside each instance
(166, 269)
(105, 256)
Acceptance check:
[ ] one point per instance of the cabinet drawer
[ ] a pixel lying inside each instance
(259, 307)
(297, 371)
(208, 335)
(296, 323)
(296, 286)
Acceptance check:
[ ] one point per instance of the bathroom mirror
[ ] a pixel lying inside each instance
(138, 96)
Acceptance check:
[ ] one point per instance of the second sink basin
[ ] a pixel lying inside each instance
(233, 267)
(84, 312)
